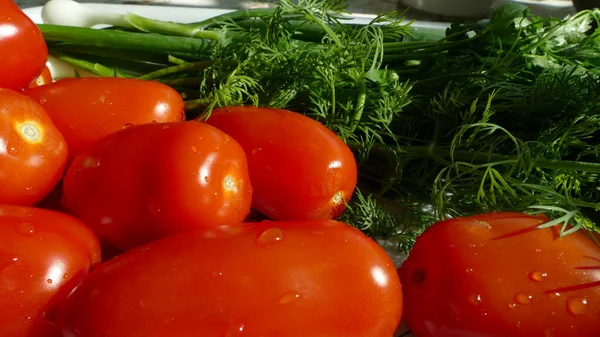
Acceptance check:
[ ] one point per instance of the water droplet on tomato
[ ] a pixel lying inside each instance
(518, 324)
(125, 126)
(290, 297)
(554, 295)
(7, 260)
(269, 237)
(256, 150)
(90, 162)
(26, 229)
(469, 270)
(475, 299)
(548, 333)
(577, 305)
(43, 100)
(512, 305)
(49, 281)
(65, 276)
(143, 304)
(12, 150)
(523, 298)
(194, 149)
(235, 330)
(217, 273)
(472, 245)
(206, 179)
(165, 127)
(537, 250)
(537, 276)
(28, 318)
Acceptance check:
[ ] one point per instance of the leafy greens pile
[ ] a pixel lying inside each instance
(501, 114)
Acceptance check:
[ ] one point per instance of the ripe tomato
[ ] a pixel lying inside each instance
(87, 109)
(42, 253)
(496, 275)
(267, 279)
(23, 49)
(33, 153)
(152, 180)
(299, 169)
(44, 78)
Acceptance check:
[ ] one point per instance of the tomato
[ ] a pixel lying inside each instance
(299, 169)
(33, 153)
(23, 49)
(42, 253)
(152, 180)
(87, 109)
(44, 78)
(497, 275)
(267, 279)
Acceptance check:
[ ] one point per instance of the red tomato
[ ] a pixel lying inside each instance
(44, 78)
(267, 279)
(496, 275)
(152, 180)
(87, 109)
(33, 153)
(299, 169)
(23, 49)
(42, 253)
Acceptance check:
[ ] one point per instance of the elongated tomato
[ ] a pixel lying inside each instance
(33, 153)
(23, 51)
(294, 279)
(87, 109)
(299, 169)
(496, 275)
(42, 254)
(153, 180)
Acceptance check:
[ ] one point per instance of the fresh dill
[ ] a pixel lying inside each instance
(502, 114)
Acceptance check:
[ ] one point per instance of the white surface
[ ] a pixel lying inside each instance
(195, 14)
(481, 8)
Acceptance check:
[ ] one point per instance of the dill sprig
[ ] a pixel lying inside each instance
(502, 114)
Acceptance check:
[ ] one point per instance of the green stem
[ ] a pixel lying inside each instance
(94, 68)
(178, 68)
(122, 40)
(169, 28)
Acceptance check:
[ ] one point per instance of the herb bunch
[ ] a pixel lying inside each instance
(502, 114)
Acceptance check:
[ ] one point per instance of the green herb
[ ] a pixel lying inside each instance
(502, 114)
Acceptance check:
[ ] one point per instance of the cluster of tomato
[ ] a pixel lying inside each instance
(111, 166)
(120, 218)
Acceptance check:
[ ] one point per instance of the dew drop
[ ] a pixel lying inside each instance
(49, 281)
(206, 179)
(577, 305)
(256, 150)
(290, 297)
(475, 299)
(234, 330)
(28, 318)
(537, 276)
(125, 126)
(512, 305)
(65, 276)
(26, 229)
(269, 237)
(6, 260)
(523, 298)
(194, 149)
(548, 333)
(165, 127)
(554, 295)
(12, 151)
(217, 273)
(472, 245)
(518, 324)
(537, 250)
(469, 270)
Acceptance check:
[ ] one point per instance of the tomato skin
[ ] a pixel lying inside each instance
(44, 78)
(267, 279)
(33, 153)
(299, 169)
(153, 180)
(87, 109)
(24, 51)
(495, 275)
(41, 252)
